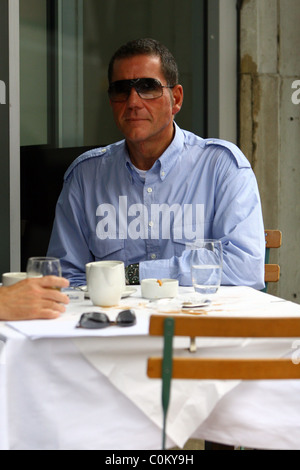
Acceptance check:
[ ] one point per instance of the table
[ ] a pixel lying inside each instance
(66, 388)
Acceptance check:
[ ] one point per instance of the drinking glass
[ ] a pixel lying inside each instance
(43, 266)
(206, 266)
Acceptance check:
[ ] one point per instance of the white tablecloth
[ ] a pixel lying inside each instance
(62, 388)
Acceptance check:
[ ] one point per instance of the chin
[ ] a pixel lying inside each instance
(135, 135)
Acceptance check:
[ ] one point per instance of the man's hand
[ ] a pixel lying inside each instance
(33, 298)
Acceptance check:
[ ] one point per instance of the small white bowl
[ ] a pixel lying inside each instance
(8, 279)
(159, 289)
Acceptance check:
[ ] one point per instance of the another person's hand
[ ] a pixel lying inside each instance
(34, 298)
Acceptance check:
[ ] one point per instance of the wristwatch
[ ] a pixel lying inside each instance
(132, 274)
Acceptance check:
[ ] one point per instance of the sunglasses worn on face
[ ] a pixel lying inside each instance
(146, 88)
(96, 320)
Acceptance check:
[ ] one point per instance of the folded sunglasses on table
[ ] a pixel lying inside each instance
(94, 320)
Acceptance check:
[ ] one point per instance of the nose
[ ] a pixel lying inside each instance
(134, 99)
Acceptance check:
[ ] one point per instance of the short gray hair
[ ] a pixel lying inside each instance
(148, 46)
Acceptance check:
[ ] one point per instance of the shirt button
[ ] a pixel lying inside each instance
(153, 256)
(162, 173)
(149, 190)
(151, 223)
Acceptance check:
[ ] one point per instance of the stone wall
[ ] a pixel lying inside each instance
(270, 123)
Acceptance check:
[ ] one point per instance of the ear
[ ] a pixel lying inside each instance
(177, 99)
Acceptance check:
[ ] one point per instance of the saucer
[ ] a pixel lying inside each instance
(127, 292)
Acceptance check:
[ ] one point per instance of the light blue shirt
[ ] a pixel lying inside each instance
(198, 188)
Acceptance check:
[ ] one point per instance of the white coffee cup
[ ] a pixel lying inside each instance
(8, 279)
(105, 282)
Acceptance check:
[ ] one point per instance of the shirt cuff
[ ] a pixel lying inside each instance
(165, 269)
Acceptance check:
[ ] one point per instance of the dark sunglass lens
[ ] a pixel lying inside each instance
(126, 318)
(94, 320)
(150, 84)
(119, 91)
(149, 88)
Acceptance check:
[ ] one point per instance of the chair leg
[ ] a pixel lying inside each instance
(215, 446)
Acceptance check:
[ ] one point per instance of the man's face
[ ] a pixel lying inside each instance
(140, 120)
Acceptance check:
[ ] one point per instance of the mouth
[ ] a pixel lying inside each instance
(134, 120)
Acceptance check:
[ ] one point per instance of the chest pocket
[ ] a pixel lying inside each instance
(107, 248)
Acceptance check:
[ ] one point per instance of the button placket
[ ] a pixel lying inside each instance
(152, 245)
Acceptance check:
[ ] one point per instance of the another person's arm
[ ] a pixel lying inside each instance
(35, 298)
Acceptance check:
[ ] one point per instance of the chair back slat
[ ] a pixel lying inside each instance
(254, 327)
(226, 369)
(272, 272)
(273, 238)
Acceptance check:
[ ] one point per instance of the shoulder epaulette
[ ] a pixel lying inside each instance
(94, 153)
(238, 155)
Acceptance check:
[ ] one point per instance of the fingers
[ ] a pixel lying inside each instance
(49, 310)
(55, 295)
(53, 281)
(52, 284)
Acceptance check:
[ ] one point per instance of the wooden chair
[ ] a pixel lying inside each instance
(272, 271)
(169, 367)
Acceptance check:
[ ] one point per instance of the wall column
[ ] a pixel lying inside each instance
(9, 137)
(270, 123)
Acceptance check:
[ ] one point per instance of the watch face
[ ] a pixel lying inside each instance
(132, 274)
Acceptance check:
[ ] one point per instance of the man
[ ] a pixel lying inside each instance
(144, 199)
(33, 299)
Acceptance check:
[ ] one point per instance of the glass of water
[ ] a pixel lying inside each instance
(206, 266)
(43, 266)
